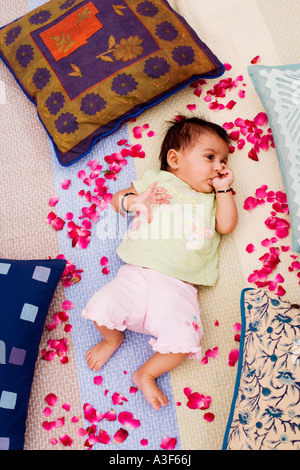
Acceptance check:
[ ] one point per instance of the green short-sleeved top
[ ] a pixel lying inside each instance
(181, 240)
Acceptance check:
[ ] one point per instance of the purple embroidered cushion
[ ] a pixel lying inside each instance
(89, 65)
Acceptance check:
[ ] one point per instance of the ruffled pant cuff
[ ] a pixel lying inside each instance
(194, 352)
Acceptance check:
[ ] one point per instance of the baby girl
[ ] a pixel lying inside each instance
(172, 245)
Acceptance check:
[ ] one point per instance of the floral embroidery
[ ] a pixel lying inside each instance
(66, 123)
(55, 102)
(12, 35)
(166, 31)
(128, 49)
(183, 55)
(124, 84)
(24, 55)
(147, 9)
(92, 104)
(156, 67)
(41, 78)
(195, 324)
(40, 17)
(268, 391)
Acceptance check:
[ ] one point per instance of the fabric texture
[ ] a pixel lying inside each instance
(89, 65)
(149, 302)
(181, 240)
(264, 412)
(26, 290)
(279, 90)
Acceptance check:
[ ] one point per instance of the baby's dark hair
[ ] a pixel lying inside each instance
(184, 132)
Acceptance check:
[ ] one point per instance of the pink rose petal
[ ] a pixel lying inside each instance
(191, 107)
(230, 104)
(280, 291)
(51, 399)
(233, 357)
(250, 248)
(118, 399)
(126, 419)
(65, 184)
(237, 327)
(67, 305)
(104, 261)
(261, 119)
(47, 412)
(168, 443)
(198, 401)
(250, 203)
(255, 60)
(98, 380)
(104, 437)
(110, 415)
(120, 436)
(66, 440)
(209, 417)
(53, 201)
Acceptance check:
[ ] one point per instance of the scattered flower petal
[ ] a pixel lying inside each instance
(233, 357)
(191, 107)
(120, 436)
(51, 399)
(227, 66)
(104, 437)
(250, 248)
(98, 380)
(168, 443)
(209, 417)
(127, 420)
(66, 440)
(111, 415)
(67, 305)
(118, 399)
(53, 201)
(255, 60)
(47, 411)
(65, 184)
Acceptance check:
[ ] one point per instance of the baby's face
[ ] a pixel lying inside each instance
(198, 164)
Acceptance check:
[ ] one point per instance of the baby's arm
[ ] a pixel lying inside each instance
(140, 202)
(117, 198)
(226, 214)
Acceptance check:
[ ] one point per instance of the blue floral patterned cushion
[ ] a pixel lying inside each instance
(265, 408)
(279, 90)
(26, 291)
(90, 64)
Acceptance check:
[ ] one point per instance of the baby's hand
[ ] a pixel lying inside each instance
(152, 196)
(225, 178)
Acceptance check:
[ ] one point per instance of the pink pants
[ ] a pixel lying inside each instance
(149, 302)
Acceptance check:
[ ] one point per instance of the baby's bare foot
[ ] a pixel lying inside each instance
(99, 354)
(150, 390)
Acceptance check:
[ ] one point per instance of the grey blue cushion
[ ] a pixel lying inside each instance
(279, 90)
(26, 291)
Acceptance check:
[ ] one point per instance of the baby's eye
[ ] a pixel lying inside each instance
(210, 157)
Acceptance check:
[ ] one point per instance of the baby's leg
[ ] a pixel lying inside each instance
(99, 354)
(145, 376)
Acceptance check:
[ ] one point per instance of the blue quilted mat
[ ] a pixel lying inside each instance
(116, 374)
